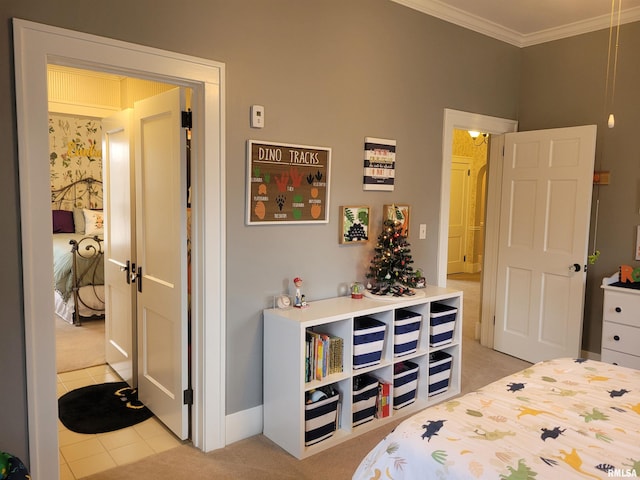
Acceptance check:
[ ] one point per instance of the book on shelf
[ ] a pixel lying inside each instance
(383, 401)
(323, 355)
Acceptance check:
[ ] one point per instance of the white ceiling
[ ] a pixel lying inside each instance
(529, 22)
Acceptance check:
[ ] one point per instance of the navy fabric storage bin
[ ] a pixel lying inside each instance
(365, 391)
(368, 339)
(442, 324)
(406, 331)
(405, 383)
(439, 372)
(320, 419)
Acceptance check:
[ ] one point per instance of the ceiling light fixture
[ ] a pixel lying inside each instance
(474, 134)
(612, 49)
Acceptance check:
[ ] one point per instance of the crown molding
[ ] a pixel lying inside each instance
(481, 25)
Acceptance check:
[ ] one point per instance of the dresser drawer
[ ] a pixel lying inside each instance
(622, 308)
(618, 358)
(621, 338)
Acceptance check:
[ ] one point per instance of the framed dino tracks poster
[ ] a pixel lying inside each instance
(287, 183)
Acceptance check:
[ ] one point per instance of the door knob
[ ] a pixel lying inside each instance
(575, 267)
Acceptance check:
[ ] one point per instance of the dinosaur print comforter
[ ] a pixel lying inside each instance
(563, 418)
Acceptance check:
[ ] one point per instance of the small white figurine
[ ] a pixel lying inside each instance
(299, 300)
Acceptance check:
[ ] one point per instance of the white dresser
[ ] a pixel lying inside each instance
(621, 324)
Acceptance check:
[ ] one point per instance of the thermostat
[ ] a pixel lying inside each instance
(257, 116)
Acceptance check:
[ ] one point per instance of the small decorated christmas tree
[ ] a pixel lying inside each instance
(390, 268)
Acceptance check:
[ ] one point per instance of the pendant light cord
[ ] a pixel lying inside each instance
(606, 94)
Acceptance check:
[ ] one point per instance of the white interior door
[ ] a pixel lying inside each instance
(118, 245)
(544, 229)
(161, 245)
(458, 214)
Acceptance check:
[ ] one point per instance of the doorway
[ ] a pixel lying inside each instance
(36, 45)
(462, 122)
(466, 221)
(467, 202)
(89, 110)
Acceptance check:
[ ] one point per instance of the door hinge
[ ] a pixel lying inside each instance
(188, 396)
(187, 119)
(494, 319)
(468, 172)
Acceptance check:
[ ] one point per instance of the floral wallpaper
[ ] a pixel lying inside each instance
(476, 151)
(75, 153)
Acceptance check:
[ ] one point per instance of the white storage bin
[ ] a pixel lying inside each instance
(365, 392)
(442, 324)
(439, 372)
(406, 331)
(405, 384)
(320, 418)
(368, 341)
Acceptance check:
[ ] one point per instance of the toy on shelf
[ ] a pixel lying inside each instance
(299, 301)
(357, 290)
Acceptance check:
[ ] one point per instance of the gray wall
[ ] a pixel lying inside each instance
(563, 84)
(330, 73)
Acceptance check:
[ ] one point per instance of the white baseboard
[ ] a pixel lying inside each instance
(244, 424)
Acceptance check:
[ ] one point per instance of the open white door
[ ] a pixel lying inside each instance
(544, 232)
(118, 245)
(161, 268)
(458, 214)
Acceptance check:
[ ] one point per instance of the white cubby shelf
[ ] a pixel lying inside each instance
(284, 363)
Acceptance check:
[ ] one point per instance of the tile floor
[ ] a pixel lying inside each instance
(82, 455)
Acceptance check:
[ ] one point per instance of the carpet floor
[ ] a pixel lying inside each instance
(79, 347)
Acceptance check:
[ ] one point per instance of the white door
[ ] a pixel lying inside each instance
(118, 245)
(161, 207)
(543, 240)
(458, 214)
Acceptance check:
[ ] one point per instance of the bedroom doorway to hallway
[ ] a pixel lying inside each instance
(466, 222)
(458, 147)
(35, 46)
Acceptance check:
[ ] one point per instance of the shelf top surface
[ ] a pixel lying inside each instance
(333, 308)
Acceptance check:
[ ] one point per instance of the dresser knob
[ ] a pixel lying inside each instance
(618, 309)
(616, 338)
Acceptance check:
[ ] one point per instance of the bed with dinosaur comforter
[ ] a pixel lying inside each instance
(563, 418)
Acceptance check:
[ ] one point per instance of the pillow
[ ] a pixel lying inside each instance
(93, 222)
(78, 220)
(62, 221)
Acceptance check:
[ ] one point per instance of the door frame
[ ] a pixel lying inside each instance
(456, 119)
(35, 46)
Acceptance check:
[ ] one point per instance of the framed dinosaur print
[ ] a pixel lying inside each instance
(287, 183)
